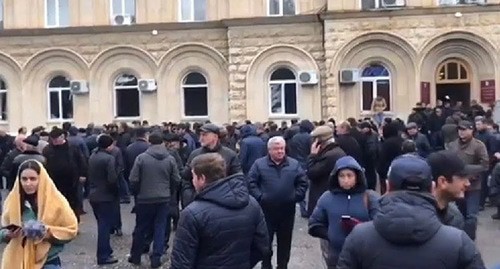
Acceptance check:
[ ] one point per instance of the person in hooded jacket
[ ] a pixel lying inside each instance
(347, 203)
(252, 147)
(406, 232)
(224, 227)
(151, 177)
(299, 146)
(389, 149)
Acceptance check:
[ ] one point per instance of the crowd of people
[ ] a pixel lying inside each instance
(378, 193)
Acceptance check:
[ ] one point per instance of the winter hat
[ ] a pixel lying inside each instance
(322, 132)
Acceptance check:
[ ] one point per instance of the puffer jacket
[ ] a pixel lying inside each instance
(223, 228)
(153, 174)
(407, 233)
(252, 147)
(326, 219)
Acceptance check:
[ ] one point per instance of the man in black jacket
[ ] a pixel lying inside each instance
(209, 139)
(224, 226)
(407, 232)
(278, 182)
(103, 196)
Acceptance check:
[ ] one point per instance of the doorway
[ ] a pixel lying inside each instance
(453, 93)
(453, 82)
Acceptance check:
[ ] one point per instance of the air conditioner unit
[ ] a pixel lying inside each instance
(349, 76)
(308, 78)
(478, 2)
(147, 85)
(79, 86)
(392, 3)
(124, 19)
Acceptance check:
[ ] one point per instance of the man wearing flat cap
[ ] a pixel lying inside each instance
(473, 152)
(209, 140)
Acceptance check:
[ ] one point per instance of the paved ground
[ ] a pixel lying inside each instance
(80, 254)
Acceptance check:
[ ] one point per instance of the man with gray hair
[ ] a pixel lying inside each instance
(278, 182)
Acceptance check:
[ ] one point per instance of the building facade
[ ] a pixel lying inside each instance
(228, 60)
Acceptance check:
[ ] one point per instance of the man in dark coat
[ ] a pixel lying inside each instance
(251, 147)
(30, 153)
(390, 149)
(139, 146)
(224, 226)
(66, 166)
(370, 153)
(209, 138)
(299, 146)
(278, 182)
(324, 154)
(348, 143)
(6, 168)
(103, 196)
(407, 232)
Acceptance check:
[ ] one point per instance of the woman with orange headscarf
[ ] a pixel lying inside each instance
(35, 199)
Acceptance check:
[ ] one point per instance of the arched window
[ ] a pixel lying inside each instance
(3, 100)
(452, 71)
(195, 93)
(127, 96)
(283, 92)
(60, 99)
(376, 81)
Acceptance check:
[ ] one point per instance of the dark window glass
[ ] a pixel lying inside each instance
(283, 74)
(288, 7)
(275, 95)
(463, 72)
(54, 105)
(290, 98)
(127, 102)
(3, 105)
(375, 70)
(195, 101)
(384, 90)
(367, 92)
(452, 69)
(367, 4)
(67, 104)
(59, 82)
(195, 78)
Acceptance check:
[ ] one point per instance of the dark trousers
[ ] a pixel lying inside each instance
(280, 221)
(104, 214)
(485, 189)
(150, 218)
(117, 215)
(371, 177)
(470, 210)
(124, 189)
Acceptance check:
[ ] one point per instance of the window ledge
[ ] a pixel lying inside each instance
(119, 119)
(283, 116)
(370, 113)
(4, 122)
(52, 121)
(195, 118)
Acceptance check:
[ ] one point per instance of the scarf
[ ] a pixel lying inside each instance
(53, 211)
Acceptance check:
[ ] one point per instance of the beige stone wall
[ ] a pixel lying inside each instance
(412, 47)
(256, 51)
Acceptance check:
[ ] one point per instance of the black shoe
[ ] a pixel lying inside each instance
(155, 262)
(495, 216)
(109, 260)
(118, 232)
(134, 261)
(145, 250)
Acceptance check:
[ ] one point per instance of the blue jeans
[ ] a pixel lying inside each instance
(53, 264)
(150, 219)
(470, 210)
(104, 213)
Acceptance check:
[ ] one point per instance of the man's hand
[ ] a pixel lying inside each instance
(315, 147)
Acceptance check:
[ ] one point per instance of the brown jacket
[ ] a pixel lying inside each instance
(472, 152)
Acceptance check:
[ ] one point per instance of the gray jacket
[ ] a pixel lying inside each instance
(102, 177)
(451, 216)
(152, 175)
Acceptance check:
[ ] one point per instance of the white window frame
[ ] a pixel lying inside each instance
(59, 91)
(118, 88)
(183, 86)
(57, 14)
(374, 80)
(438, 3)
(192, 13)
(123, 11)
(281, 9)
(283, 82)
(4, 90)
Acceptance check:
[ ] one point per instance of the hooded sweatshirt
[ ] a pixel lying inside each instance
(326, 219)
(252, 147)
(152, 175)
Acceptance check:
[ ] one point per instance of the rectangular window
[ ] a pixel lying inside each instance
(127, 103)
(3, 104)
(123, 12)
(67, 104)
(371, 89)
(193, 10)
(281, 7)
(195, 102)
(57, 13)
(54, 105)
(283, 98)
